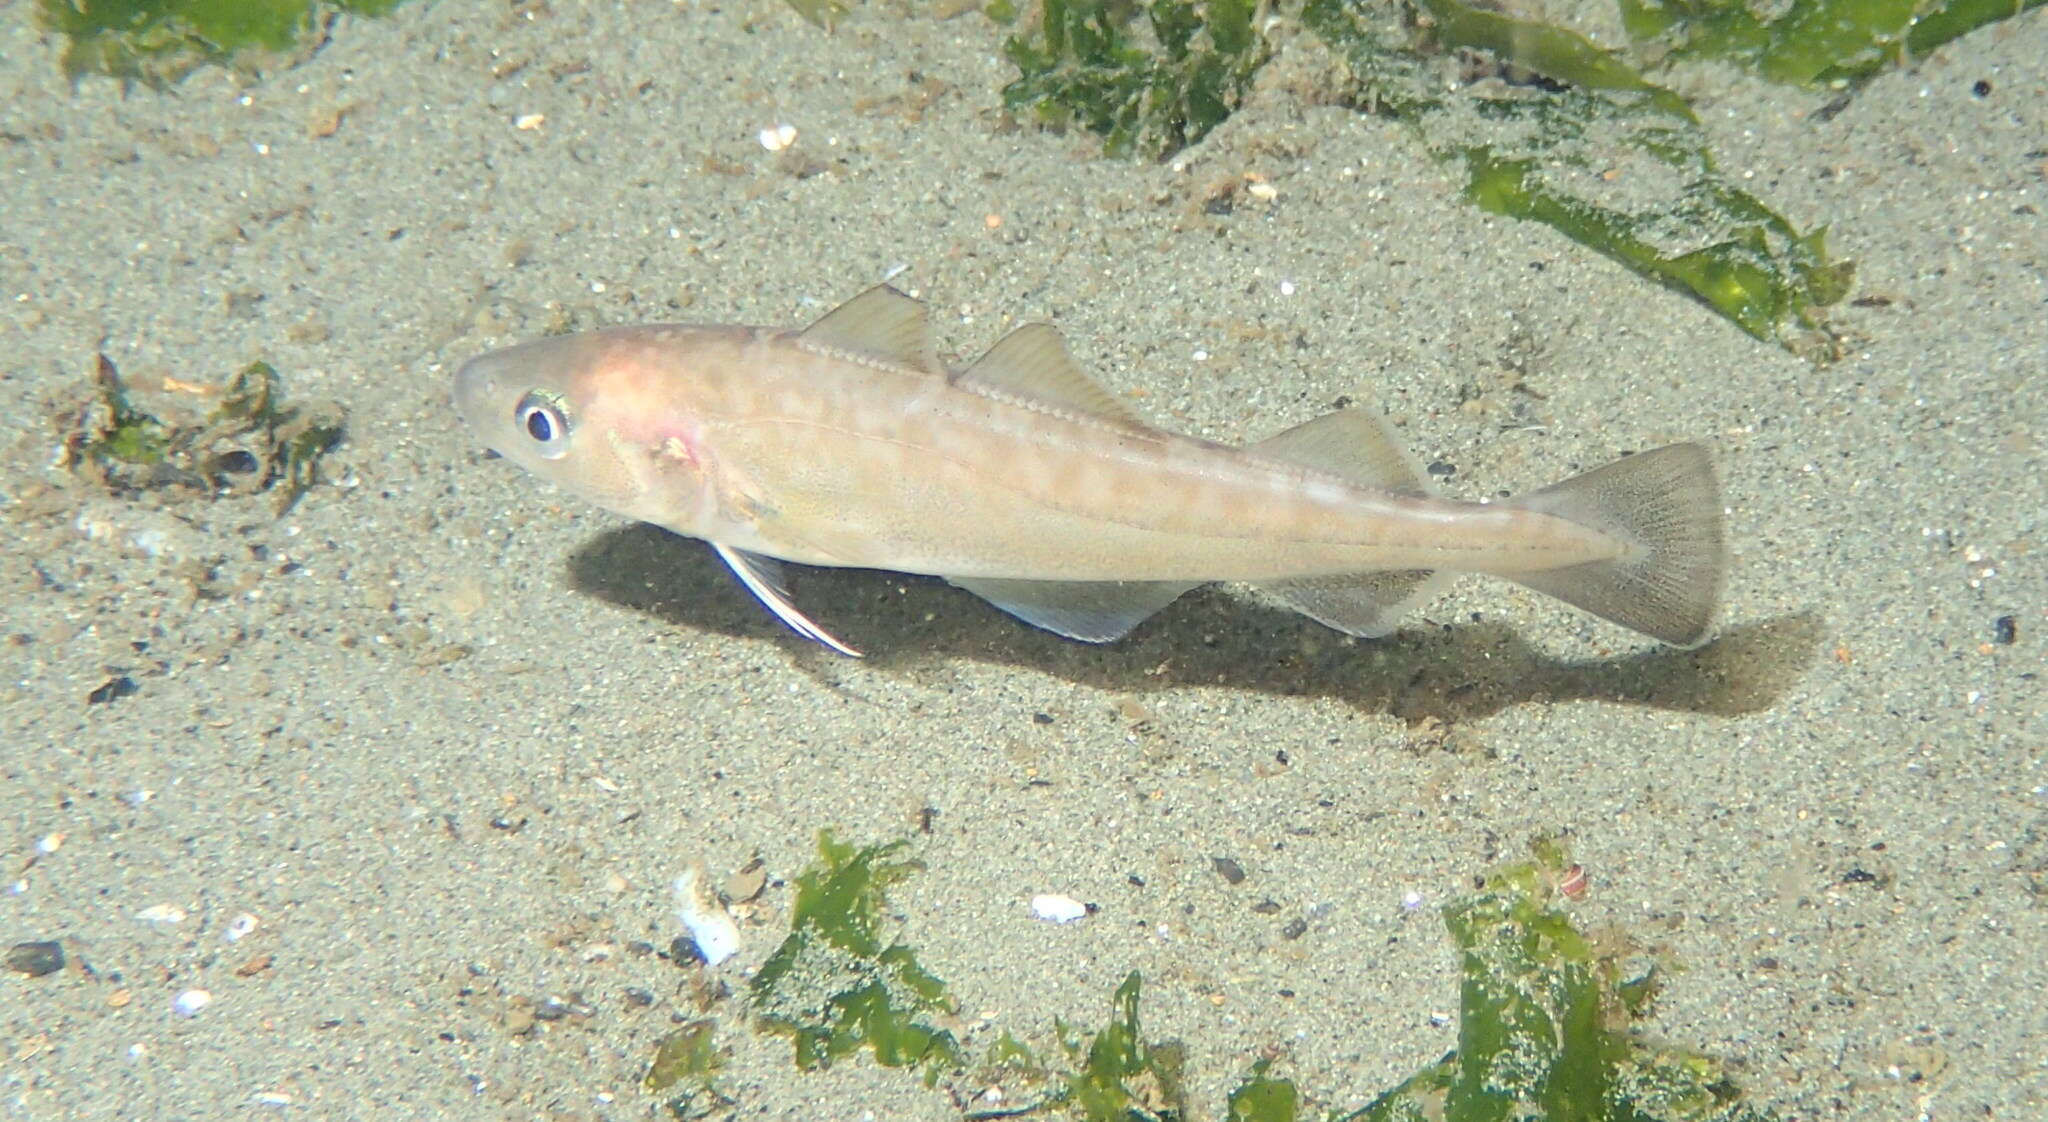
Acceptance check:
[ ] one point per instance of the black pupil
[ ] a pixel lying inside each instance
(539, 425)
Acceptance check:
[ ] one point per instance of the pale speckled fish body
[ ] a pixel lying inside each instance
(849, 444)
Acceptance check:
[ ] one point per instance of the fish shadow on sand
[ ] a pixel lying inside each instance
(1425, 672)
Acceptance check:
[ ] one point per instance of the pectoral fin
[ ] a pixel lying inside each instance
(763, 578)
(1091, 611)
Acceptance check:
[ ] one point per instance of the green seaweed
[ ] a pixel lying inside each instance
(1121, 1077)
(1084, 66)
(1553, 52)
(689, 1053)
(820, 13)
(1822, 43)
(1532, 151)
(1262, 1098)
(158, 42)
(250, 441)
(1549, 154)
(836, 988)
(1544, 1012)
(110, 430)
(1755, 269)
(291, 443)
(1545, 1020)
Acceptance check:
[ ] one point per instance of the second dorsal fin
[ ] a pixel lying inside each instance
(1032, 364)
(881, 323)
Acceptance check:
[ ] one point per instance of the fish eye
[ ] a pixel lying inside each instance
(541, 418)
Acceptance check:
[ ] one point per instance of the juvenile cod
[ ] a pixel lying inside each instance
(1024, 482)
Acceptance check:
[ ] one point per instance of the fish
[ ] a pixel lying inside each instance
(1021, 479)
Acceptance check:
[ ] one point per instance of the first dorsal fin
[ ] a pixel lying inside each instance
(1353, 445)
(880, 323)
(1031, 364)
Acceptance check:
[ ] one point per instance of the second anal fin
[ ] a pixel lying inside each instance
(1368, 605)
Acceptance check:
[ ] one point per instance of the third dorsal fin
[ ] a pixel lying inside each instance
(881, 323)
(1032, 364)
(1353, 445)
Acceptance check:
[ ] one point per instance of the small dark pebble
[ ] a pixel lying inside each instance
(35, 959)
(683, 951)
(1229, 870)
(639, 998)
(1859, 876)
(1136, 880)
(2005, 630)
(237, 462)
(1267, 907)
(1295, 929)
(1981, 88)
(113, 689)
(1767, 964)
(1041, 718)
(1442, 469)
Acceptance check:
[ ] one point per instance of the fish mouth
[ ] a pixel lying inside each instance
(473, 389)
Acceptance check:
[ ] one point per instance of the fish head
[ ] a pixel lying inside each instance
(608, 415)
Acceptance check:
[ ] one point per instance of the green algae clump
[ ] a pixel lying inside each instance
(158, 42)
(835, 987)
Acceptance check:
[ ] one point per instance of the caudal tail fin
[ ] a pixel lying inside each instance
(1666, 505)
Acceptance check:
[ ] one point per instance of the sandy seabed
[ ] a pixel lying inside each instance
(445, 737)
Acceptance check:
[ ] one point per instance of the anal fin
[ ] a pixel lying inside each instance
(1091, 611)
(1368, 605)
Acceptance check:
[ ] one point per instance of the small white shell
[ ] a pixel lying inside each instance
(777, 137)
(161, 914)
(710, 926)
(190, 1002)
(1058, 909)
(240, 927)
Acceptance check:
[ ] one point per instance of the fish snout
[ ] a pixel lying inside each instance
(474, 389)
